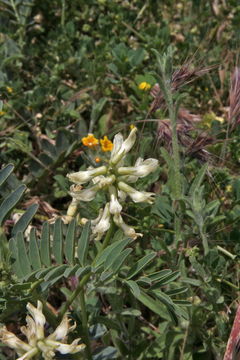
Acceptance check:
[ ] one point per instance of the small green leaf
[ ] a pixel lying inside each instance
(163, 297)
(71, 271)
(34, 251)
(58, 241)
(154, 305)
(134, 287)
(83, 271)
(159, 274)
(40, 274)
(56, 272)
(14, 253)
(198, 179)
(45, 245)
(174, 292)
(9, 203)
(22, 255)
(182, 303)
(140, 264)
(166, 279)
(191, 281)
(70, 242)
(120, 244)
(131, 312)
(116, 265)
(83, 243)
(25, 219)
(5, 172)
(112, 252)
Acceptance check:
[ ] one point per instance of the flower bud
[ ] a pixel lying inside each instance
(120, 147)
(115, 206)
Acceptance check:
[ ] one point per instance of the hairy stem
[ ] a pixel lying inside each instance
(205, 242)
(176, 155)
(175, 144)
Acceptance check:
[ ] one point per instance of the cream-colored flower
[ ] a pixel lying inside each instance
(89, 194)
(81, 177)
(136, 196)
(103, 223)
(128, 231)
(115, 207)
(37, 342)
(85, 194)
(38, 319)
(141, 169)
(120, 147)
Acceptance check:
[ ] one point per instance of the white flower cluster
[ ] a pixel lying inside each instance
(37, 343)
(114, 177)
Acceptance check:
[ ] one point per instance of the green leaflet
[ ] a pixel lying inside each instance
(25, 219)
(9, 203)
(83, 243)
(140, 264)
(5, 172)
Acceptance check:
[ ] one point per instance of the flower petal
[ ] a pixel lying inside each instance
(141, 169)
(115, 206)
(85, 194)
(38, 317)
(103, 225)
(62, 330)
(81, 177)
(121, 149)
(30, 330)
(128, 231)
(71, 348)
(13, 341)
(29, 354)
(136, 196)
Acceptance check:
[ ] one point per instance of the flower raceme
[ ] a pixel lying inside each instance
(37, 342)
(114, 178)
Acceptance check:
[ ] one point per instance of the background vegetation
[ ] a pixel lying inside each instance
(68, 68)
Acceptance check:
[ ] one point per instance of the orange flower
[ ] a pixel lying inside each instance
(90, 141)
(144, 86)
(106, 144)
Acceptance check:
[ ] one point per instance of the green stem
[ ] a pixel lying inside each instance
(63, 13)
(85, 325)
(175, 144)
(15, 11)
(205, 242)
(176, 154)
